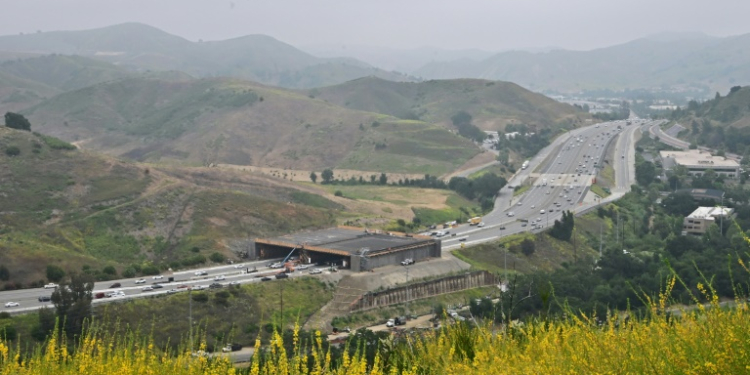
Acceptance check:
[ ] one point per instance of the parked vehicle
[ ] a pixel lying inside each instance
(231, 348)
(390, 323)
(401, 320)
(407, 262)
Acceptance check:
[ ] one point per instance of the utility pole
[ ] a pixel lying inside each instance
(408, 290)
(281, 299)
(600, 239)
(190, 316)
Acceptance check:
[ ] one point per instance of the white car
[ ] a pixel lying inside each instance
(200, 273)
(277, 265)
(158, 277)
(219, 278)
(12, 304)
(50, 286)
(389, 323)
(316, 271)
(147, 289)
(238, 266)
(140, 281)
(200, 287)
(533, 206)
(481, 224)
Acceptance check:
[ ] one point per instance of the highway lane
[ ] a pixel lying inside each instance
(29, 298)
(563, 182)
(655, 130)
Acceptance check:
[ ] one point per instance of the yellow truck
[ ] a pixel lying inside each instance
(475, 220)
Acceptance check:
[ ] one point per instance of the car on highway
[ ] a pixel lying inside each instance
(235, 282)
(147, 288)
(215, 285)
(523, 224)
(276, 265)
(238, 266)
(200, 287)
(157, 286)
(265, 278)
(282, 276)
(502, 227)
(50, 286)
(316, 271)
(157, 277)
(115, 285)
(541, 212)
(219, 278)
(45, 298)
(140, 281)
(173, 291)
(12, 304)
(462, 239)
(200, 273)
(481, 224)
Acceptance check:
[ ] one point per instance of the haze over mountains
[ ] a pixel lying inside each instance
(140, 47)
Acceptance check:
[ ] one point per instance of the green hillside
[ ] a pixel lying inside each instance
(17, 93)
(64, 72)
(140, 47)
(491, 104)
(62, 206)
(722, 123)
(205, 121)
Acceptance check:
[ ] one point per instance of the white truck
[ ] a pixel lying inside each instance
(544, 182)
(525, 164)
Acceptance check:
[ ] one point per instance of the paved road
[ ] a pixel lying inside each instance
(564, 190)
(29, 298)
(667, 139)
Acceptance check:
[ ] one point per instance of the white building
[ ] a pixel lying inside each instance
(698, 162)
(698, 222)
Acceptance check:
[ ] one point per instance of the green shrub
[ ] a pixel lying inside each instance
(217, 258)
(12, 151)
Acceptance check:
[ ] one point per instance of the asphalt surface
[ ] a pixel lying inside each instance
(564, 189)
(667, 139)
(242, 273)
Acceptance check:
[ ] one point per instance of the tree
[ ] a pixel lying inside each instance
(17, 121)
(217, 257)
(55, 273)
(327, 175)
(563, 228)
(73, 302)
(4, 273)
(528, 247)
(313, 177)
(383, 179)
(645, 172)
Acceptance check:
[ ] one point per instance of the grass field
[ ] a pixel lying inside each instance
(598, 190)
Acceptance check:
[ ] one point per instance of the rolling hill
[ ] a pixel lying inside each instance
(74, 208)
(687, 60)
(721, 123)
(140, 47)
(230, 121)
(492, 104)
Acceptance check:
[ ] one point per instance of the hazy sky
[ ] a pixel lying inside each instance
(455, 24)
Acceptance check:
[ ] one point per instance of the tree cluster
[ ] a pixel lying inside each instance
(17, 121)
(462, 122)
(484, 189)
(563, 228)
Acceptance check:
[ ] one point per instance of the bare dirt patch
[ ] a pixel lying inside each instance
(477, 161)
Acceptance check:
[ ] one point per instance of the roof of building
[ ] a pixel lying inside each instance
(347, 239)
(710, 212)
(698, 158)
(708, 193)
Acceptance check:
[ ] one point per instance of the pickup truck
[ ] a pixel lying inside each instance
(50, 286)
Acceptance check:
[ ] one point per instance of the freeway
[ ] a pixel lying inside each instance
(667, 139)
(197, 279)
(569, 166)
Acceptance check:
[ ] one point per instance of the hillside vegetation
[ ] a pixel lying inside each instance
(492, 105)
(721, 123)
(74, 209)
(256, 57)
(230, 121)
